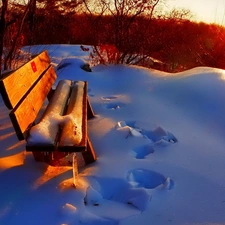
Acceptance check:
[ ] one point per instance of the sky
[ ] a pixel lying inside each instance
(209, 11)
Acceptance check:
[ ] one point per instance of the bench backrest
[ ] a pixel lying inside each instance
(25, 90)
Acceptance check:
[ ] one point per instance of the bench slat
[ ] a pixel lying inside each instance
(74, 133)
(43, 136)
(15, 85)
(24, 114)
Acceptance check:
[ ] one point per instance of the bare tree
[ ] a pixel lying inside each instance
(61, 6)
(10, 54)
(11, 27)
(124, 14)
(4, 8)
(180, 14)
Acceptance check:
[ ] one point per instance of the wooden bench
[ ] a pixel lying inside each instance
(62, 127)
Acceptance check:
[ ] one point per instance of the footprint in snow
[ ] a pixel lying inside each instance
(114, 105)
(142, 151)
(122, 198)
(110, 104)
(108, 98)
(117, 197)
(141, 178)
(157, 136)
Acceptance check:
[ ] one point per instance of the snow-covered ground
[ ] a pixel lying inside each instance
(160, 143)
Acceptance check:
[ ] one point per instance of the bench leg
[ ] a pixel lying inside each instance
(90, 112)
(75, 169)
(89, 156)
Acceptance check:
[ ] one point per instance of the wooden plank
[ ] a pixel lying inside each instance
(24, 114)
(40, 147)
(50, 120)
(52, 158)
(74, 133)
(16, 84)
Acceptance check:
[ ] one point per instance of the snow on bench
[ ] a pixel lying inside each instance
(62, 128)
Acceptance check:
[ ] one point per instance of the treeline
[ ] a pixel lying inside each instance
(175, 44)
(170, 43)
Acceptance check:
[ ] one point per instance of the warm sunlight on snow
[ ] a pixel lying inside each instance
(223, 75)
(12, 161)
(50, 173)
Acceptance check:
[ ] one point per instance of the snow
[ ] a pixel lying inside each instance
(159, 141)
(46, 130)
(75, 111)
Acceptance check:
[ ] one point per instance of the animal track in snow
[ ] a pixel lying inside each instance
(149, 179)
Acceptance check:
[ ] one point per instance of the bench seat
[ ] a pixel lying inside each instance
(63, 125)
(62, 129)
